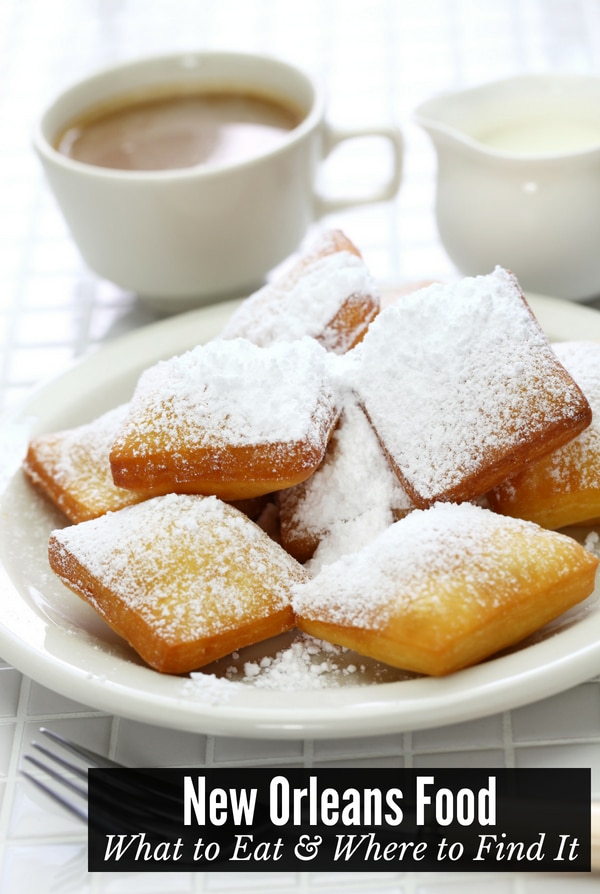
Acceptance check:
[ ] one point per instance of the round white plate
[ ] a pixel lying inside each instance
(54, 637)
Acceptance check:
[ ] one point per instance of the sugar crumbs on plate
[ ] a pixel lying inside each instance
(305, 663)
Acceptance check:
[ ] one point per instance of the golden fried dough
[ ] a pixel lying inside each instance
(228, 418)
(463, 388)
(71, 467)
(444, 588)
(184, 579)
(562, 488)
(327, 294)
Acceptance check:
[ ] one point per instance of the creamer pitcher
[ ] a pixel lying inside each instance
(518, 180)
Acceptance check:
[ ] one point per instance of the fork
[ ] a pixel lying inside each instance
(72, 794)
(66, 791)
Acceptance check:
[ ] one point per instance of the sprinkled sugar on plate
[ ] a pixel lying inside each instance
(51, 635)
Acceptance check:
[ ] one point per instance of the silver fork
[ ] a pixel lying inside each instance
(64, 790)
(66, 783)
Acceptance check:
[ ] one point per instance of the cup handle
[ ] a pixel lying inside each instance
(332, 137)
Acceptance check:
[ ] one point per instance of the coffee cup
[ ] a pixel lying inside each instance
(185, 235)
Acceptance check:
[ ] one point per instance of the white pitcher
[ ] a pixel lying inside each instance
(518, 181)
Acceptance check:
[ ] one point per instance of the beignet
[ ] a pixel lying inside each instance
(463, 388)
(228, 418)
(184, 579)
(444, 588)
(72, 468)
(328, 294)
(562, 488)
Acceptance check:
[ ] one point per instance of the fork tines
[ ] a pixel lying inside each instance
(66, 774)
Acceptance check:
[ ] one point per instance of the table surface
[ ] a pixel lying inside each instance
(378, 59)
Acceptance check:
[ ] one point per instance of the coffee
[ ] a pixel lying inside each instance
(177, 129)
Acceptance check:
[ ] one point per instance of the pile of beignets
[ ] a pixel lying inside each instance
(385, 478)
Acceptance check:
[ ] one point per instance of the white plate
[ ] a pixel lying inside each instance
(55, 638)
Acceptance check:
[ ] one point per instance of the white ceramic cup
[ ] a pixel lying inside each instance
(183, 238)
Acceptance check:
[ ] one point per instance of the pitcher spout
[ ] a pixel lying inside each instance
(527, 117)
(518, 179)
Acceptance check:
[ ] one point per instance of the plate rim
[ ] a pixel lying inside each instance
(417, 704)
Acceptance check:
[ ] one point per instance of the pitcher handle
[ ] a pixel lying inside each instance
(332, 137)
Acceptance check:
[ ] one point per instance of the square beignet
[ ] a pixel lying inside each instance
(562, 488)
(228, 418)
(327, 294)
(463, 388)
(445, 588)
(184, 579)
(72, 468)
(352, 496)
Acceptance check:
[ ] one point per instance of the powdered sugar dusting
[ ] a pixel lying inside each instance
(86, 445)
(582, 360)
(353, 495)
(571, 468)
(77, 459)
(417, 559)
(232, 393)
(592, 543)
(284, 311)
(304, 663)
(191, 566)
(453, 373)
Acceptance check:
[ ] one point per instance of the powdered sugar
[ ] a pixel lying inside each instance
(582, 360)
(285, 311)
(352, 497)
(416, 559)
(569, 477)
(592, 543)
(77, 461)
(453, 374)
(306, 663)
(232, 392)
(83, 448)
(189, 565)
(303, 664)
